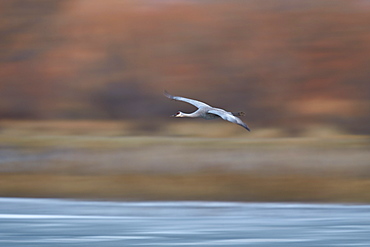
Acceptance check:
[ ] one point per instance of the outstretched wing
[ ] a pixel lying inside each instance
(193, 102)
(228, 117)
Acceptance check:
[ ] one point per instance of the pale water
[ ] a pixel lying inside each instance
(50, 222)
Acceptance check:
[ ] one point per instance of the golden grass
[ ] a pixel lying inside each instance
(183, 128)
(252, 167)
(222, 187)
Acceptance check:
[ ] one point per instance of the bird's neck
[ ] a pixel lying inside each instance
(188, 115)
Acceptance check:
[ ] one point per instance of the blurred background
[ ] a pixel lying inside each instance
(81, 94)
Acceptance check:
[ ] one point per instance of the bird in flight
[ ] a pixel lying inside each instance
(207, 112)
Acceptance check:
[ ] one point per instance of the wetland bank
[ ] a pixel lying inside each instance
(93, 165)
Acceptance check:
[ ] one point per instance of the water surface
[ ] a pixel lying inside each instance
(54, 222)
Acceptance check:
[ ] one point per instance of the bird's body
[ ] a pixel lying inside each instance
(207, 112)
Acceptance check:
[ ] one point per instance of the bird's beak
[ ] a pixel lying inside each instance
(174, 115)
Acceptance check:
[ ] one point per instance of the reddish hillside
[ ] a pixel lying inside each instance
(285, 62)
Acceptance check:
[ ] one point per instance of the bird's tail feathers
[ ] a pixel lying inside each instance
(238, 114)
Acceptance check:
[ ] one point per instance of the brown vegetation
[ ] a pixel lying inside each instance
(86, 77)
(94, 160)
(286, 63)
(199, 186)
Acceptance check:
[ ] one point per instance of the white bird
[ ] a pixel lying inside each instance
(207, 112)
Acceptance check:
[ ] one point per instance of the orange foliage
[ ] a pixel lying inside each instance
(273, 59)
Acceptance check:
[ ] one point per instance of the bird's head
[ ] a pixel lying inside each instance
(178, 114)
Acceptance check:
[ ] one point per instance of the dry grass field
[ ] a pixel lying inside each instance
(198, 186)
(108, 160)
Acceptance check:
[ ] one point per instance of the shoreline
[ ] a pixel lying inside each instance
(197, 187)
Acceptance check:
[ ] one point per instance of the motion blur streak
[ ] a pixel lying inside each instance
(288, 64)
(89, 223)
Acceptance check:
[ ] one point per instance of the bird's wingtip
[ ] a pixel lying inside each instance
(167, 94)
